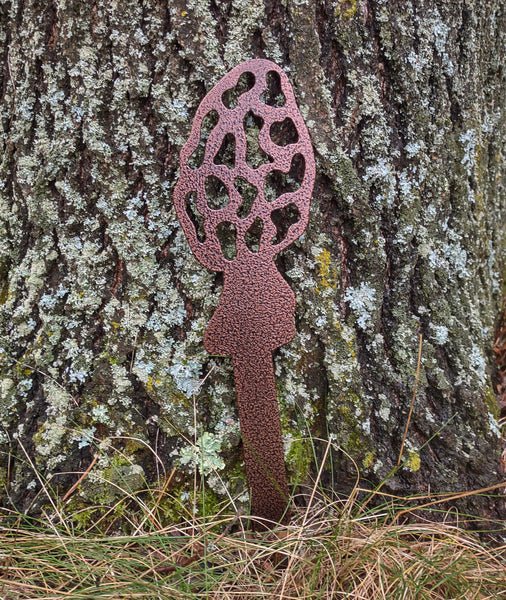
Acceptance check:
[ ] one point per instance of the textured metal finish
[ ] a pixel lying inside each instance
(256, 308)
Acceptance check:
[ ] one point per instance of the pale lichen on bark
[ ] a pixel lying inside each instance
(103, 307)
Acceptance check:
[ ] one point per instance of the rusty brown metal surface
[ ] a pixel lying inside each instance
(247, 175)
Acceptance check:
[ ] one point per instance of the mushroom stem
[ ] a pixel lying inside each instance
(261, 434)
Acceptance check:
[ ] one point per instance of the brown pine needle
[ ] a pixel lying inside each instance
(78, 482)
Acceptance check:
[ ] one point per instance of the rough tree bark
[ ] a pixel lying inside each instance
(103, 307)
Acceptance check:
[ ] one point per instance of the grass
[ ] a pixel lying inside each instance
(335, 547)
(363, 546)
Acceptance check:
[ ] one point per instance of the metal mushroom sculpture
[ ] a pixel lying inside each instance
(246, 179)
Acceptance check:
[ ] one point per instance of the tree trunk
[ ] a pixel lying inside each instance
(103, 307)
